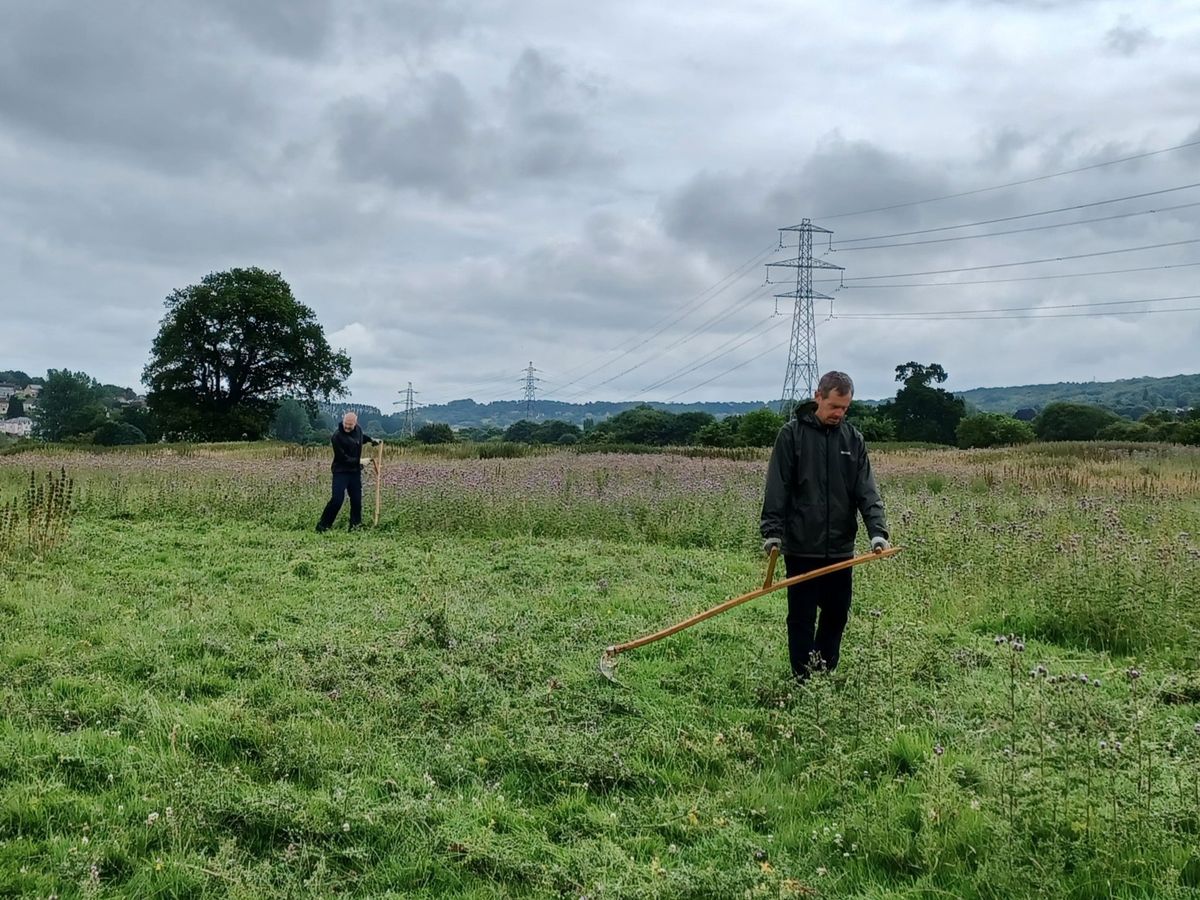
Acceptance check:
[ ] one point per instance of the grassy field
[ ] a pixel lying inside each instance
(200, 697)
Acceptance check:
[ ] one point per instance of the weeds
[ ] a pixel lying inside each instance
(225, 704)
(41, 519)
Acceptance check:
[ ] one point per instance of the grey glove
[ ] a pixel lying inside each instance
(879, 544)
(772, 543)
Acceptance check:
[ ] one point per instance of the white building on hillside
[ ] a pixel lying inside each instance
(21, 426)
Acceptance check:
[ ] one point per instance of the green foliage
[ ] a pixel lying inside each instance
(291, 422)
(914, 374)
(143, 419)
(553, 432)
(640, 425)
(16, 408)
(993, 430)
(759, 428)
(229, 348)
(69, 405)
(1072, 422)
(723, 433)
(41, 519)
(1126, 431)
(921, 412)
(113, 434)
(435, 433)
(875, 427)
(390, 717)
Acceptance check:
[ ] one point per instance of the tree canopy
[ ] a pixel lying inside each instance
(922, 412)
(68, 405)
(1072, 422)
(229, 348)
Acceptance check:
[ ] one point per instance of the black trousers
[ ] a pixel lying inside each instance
(343, 483)
(817, 614)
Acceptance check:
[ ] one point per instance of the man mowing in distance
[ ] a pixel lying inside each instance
(818, 481)
(347, 441)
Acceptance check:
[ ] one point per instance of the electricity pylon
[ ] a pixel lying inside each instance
(802, 373)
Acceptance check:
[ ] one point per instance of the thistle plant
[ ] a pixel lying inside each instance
(42, 518)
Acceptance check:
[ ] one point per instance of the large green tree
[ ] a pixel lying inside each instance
(1073, 422)
(993, 430)
(68, 405)
(16, 408)
(921, 411)
(291, 422)
(230, 348)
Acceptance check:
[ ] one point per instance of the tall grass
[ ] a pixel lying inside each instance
(201, 697)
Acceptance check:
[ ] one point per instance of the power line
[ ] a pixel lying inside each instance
(670, 319)
(860, 287)
(1044, 212)
(713, 356)
(1130, 312)
(990, 234)
(997, 309)
(1026, 262)
(997, 187)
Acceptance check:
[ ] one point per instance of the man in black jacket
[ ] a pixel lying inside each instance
(347, 443)
(818, 481)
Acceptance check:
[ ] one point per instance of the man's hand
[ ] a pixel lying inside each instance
(772, 543)
(879, 544)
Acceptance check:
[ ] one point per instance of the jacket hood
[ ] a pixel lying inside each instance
(800, 409)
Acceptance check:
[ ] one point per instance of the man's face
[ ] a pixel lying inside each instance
(349, 422)
(832, 409)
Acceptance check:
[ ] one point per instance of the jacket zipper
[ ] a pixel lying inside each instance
(827, 519)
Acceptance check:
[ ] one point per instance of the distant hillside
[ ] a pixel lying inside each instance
(1131, 397)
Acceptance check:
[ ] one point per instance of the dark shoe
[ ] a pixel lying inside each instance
(321, 529)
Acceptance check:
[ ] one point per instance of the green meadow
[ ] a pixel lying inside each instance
(201, 697)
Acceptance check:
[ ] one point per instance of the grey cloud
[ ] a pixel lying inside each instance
(127, 79)
(1124, 39)
(302, 29)
(716, 210)
(436, 136)
(425, 140)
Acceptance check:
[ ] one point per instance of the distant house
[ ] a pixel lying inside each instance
(30, 392)
(7, 390)
(21, 426)
(3, 408)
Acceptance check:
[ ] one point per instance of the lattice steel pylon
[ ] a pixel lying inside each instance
(409, 409)
(530, 389)
(802, 373)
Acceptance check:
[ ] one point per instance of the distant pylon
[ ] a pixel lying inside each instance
(530, 389)
(802, 373)
(409, 409)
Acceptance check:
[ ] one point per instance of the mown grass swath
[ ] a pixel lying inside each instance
(201, 697)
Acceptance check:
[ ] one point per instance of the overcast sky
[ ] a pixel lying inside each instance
(461, 187)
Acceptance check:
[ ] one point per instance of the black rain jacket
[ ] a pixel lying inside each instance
(818, 481)
(347, 449)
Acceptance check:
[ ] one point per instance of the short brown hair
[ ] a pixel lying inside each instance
(835, 382)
